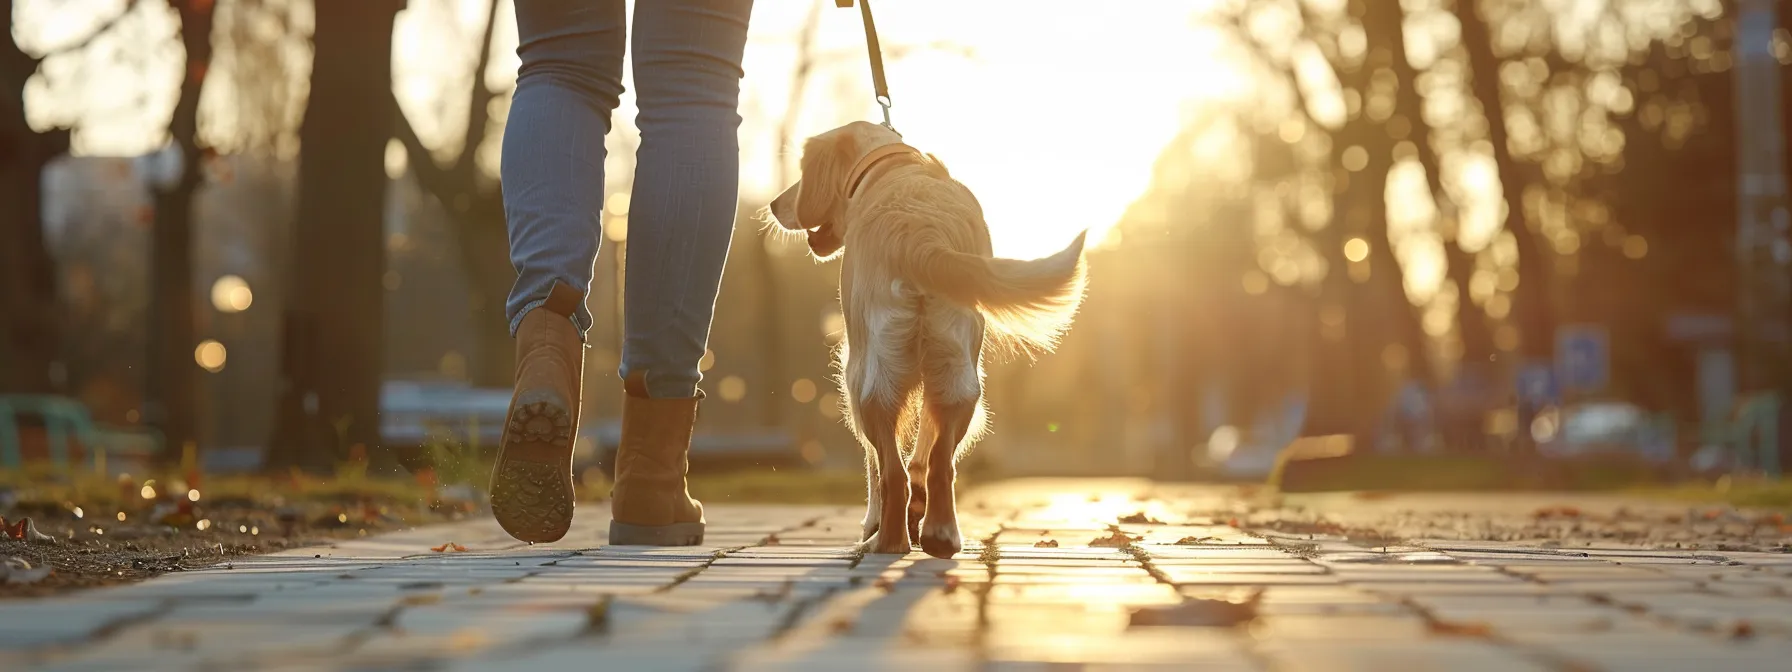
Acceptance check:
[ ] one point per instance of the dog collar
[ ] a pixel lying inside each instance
(872, 158)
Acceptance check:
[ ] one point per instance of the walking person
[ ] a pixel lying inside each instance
(687, 72)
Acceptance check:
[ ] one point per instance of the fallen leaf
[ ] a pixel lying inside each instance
(771, 540)
(1115, 539)
(467, 639)
(1139, 518)
(1711, 514)
(23, 529)
(1742, 630)
(884, 583)
(1046, 543)
(597, 616)
(1198, 613)
(951, 585)
(1459, 629)
(457, 548)
(1556, 512)
(1191, 541)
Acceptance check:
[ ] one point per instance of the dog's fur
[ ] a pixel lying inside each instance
(924, 300)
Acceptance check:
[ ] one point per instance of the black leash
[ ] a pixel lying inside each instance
(879, 85)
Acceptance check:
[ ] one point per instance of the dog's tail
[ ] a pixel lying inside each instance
(1029, 303)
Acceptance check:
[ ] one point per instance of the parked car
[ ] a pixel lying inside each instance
(1603, 428)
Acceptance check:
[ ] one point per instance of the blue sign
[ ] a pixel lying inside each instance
(1414, 402)
(1536, 385)
(1583, 355)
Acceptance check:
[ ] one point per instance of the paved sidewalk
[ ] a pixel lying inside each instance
(1183, 577)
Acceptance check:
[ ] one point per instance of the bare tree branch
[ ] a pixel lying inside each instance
(799, 83)
(479, 101)
(430, 175)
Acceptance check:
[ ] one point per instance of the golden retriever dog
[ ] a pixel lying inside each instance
(924, 300)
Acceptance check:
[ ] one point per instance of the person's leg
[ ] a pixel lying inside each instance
(569, 82)
(553, 152)
(687, 63)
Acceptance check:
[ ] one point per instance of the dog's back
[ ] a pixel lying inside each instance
(927, 230)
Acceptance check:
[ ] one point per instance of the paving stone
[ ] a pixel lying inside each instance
(812, 600)
(1076, 593)
(1191, 576)
(1347, 627)
(1143, 646)
(1457, 655)
(26, 624)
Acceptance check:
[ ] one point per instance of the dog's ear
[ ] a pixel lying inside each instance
(822, 190)
(783, 208)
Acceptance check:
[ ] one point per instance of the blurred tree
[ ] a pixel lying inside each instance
(30, 320)
(1665, 244)
(331, 364)
(172, 398)
(1350, 101)
(473, 201)
(1532, 302)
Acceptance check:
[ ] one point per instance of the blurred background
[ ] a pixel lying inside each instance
(270, 231)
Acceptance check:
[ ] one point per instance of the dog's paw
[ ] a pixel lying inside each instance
(888, 544)
(941, 541)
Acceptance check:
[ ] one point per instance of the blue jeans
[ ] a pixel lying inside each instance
(687, 66)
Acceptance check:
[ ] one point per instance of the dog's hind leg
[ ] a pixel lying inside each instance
(939, 527)
(880, 389)
(917, 471)
(953, 396)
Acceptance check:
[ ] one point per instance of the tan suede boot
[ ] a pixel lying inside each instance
(651, 504)
(532, 495)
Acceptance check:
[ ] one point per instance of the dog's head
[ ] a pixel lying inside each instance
(816, 204)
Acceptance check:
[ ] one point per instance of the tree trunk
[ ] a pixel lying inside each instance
(30, 316)
(476, 214)
(173, 385)
(329, 406)
(1531, 304)
(1386, 22)
(1345, 376)
(485, 254)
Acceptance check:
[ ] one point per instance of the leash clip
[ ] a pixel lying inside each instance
(884, 102)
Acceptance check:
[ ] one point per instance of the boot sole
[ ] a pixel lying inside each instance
(533, 501)
(676, 534)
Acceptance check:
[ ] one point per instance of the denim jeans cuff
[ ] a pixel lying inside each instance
(517, 322)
